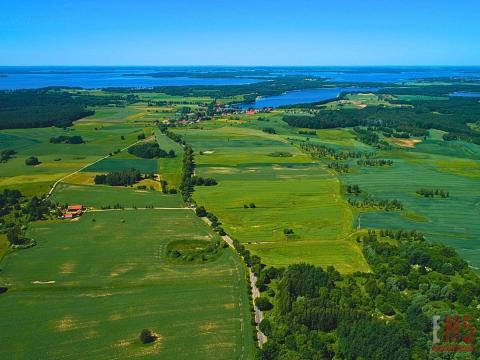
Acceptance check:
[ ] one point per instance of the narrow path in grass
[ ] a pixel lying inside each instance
(92, 163)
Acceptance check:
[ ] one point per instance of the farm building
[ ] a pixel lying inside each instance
(72, 211)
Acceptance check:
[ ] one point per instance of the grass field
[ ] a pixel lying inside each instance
(58, 160)
(113, 164)
(89, 287)
(289, 192)
(452, 166)
(170, 169)
(98, 196)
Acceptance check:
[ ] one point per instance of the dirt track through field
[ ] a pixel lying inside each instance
(86, 166)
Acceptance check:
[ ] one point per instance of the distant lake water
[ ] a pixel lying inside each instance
(91, 79)
(303, 97)
(465, 94)
(377, 76)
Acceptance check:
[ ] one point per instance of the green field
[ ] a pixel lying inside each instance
(113, 164)
(170, 169)
(89, 287)
(98, 196)
(289, 192)
(58, 160)
(452, 166)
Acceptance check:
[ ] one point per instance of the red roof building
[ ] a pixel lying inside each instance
(75, 208)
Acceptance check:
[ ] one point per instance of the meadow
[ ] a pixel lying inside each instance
(452, 166)
(292, 192)
(85, 289)
(58, 160)
(98, 196)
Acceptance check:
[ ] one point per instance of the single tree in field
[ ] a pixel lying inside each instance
(31, 161)
(147, 336)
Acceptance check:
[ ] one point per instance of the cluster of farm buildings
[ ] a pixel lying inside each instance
(72, 211)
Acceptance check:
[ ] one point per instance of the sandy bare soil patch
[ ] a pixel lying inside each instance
(408, 143)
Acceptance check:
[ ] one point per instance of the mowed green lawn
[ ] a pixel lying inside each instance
(289, 192)
(89, 287)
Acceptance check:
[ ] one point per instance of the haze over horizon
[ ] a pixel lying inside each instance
(108, 33)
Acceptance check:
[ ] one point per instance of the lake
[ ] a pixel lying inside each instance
(96, 78)
(302, 97)
(91, 77)
(465, 94)
(384, 75)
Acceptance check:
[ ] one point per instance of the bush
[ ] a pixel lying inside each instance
(15, 236)
(147, 336)
(288, 231)
(263, 304)
(6, 155)
(387, 309)
(265, 327)
(200, 211)
(31, 161)
(269, 130)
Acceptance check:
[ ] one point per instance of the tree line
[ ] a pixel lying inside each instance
(433, 192)
(375, 162)
(322, 151)
(387, 205)
(150, 150)
(119, 178)
(75, 139)
(200, 181)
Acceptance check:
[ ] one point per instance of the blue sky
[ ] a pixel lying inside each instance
(210, 32)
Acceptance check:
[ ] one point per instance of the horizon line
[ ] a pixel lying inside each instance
(226, 65)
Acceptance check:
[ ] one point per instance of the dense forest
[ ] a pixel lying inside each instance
(452, 116)
(49, 107)
(385, 314)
